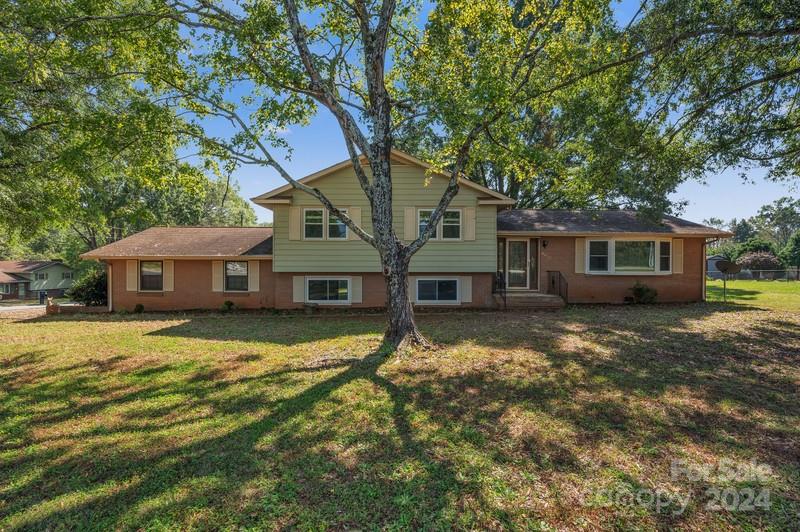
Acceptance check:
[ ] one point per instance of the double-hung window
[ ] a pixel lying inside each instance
(5, 288)
(449, 227)
(598, 255)
(665, 256)
(313, 224)
(41, 276)
(151, 276)
(66, 275)
(337, 230)
(424, 217)
(437, 291)
(328, 291)
(235, 276)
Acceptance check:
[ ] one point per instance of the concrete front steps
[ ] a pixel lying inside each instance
(530, 300)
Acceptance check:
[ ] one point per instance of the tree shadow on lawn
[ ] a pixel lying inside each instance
(414, 443)
(732, 294)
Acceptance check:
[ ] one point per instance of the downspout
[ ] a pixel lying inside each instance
(109, 285)
(706, 242)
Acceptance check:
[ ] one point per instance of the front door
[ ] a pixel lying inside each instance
(517, 263)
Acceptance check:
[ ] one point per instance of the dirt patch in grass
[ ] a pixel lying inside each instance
(518, 421)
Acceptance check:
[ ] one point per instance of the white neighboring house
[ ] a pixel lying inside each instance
(28, 279)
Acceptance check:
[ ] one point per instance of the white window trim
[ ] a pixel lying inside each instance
(328, 227)
(324, 225)
(612, 251)
(225, 277)
(419, 301)
(139, 277)
(439, 233)
(349, 299)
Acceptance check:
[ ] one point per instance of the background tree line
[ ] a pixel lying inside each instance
(770, 240)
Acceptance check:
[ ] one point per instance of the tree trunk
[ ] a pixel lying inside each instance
(401, 330)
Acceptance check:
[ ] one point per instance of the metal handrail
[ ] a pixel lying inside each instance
(557, 284)
(500, 288)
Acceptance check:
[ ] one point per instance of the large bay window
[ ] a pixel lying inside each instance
(629, 256)
(635, 256)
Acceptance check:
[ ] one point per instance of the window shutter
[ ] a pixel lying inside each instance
(466, 289)
(217, 275)
(169, 276)
(412, 288)
(677, 255)
(580, 255)
(355, 290)
(355, 215)
(469, 223)
(295, 223)
(298, 289)
(410, 223)
(132, 277)
(253, 276)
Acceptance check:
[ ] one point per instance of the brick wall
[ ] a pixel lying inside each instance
(559, 255)
(192, 289)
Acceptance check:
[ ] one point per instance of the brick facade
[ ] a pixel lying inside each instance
(193, 283)
(559, 255)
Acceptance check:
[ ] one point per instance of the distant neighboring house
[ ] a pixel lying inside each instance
(711, 266)
(26, 279)
(483, 253)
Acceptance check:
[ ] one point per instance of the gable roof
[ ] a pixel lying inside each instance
(10, 278)
(558, 221)
(398, 156)
(190, 242)
(27, 266)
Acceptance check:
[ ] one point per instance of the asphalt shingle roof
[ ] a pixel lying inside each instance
(190, 242)
(597, 221)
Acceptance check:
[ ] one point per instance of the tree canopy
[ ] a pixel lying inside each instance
(553, 98)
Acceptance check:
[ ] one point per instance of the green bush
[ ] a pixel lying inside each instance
(90, 289)
(227, 306)
(643, 294)
(138, 309)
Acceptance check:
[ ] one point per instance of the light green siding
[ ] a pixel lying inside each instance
(411, 188)
(54, 279)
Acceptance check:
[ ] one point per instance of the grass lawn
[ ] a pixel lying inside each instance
(538, 421)
(784, 295)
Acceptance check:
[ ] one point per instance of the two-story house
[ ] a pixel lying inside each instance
(27, 279)
(483, 253)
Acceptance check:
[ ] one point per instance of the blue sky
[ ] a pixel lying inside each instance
(320, 144)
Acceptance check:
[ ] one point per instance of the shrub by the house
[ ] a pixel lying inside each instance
(90, 289)
(643, 293)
